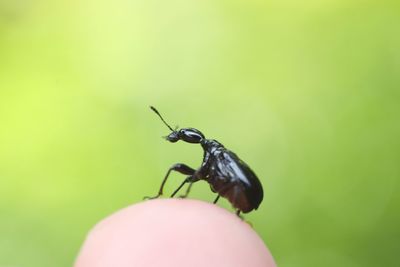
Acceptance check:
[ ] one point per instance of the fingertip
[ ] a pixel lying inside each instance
(173, 232)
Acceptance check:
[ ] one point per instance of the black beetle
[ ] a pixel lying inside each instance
(226, 173)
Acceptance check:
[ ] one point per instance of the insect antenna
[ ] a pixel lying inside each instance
(159, 115)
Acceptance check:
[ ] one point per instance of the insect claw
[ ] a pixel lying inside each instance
(149, 198)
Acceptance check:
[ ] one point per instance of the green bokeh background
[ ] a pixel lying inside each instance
(306, 92)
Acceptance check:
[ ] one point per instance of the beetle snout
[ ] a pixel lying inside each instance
(173, 137)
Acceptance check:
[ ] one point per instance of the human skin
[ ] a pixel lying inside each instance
(173, 232)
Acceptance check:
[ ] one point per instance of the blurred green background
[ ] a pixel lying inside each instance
(305, 92)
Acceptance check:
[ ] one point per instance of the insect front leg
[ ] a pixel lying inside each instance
(179, 167)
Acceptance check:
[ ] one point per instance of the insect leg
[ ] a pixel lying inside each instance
(191, 180)
(187, 191)
(179, 167)
(222, 191)
(238, 214)
(216, 199)
(182, 184)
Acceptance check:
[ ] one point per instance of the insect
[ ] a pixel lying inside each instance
(227, 174)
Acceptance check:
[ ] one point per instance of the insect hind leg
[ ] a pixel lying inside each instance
(238, 214)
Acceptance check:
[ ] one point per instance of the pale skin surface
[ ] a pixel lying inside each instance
(173, 232)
